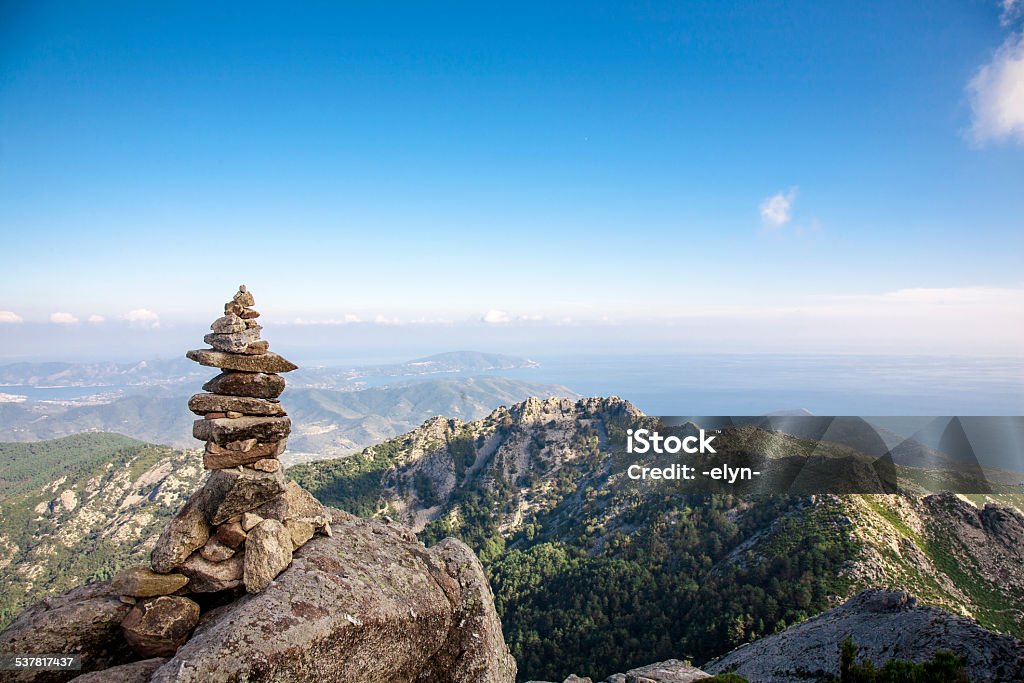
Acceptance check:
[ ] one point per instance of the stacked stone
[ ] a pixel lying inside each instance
(242, 526)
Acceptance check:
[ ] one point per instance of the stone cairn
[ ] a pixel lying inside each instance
(242, 526)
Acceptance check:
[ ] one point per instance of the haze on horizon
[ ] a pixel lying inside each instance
(698, 176)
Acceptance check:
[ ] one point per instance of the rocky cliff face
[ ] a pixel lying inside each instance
(368, 604)
(885, 625)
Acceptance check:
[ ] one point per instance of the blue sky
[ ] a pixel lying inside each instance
(838, 174)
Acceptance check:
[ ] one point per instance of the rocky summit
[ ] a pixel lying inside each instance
(249, 581)
(369, 604)
(885, 625)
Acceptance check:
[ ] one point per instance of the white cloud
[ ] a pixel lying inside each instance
(997, 93)
(142, 317)
(1011, 8)
(94, 318)
(494, 316)
(63, 318)
(777, 210)
(10, 317)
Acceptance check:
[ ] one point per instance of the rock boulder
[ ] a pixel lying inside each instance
(369, 604)
(885, 625)
(159, 626)
(85, 620)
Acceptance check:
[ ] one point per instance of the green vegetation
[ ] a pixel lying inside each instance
(353, 483)
(944, 667)
(25, 467)
(44, 488)
(602, 575)
(667, 590)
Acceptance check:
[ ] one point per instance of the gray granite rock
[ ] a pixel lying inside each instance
(157, 627)
(85, 620)
(240, 489)
(268, 552)
(885, 625)
(233, 342)
(187, 531)
(251, 384)
(212, 577)
(266, 363)
(219, 458)
(228, 324)
(369, 604)
(225, 430)
(143, 582)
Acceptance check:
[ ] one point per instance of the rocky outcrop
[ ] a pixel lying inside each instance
(370, 604)
(219, 600)
(670, 671)
(885, 625)
(990, 538)
(85, 620)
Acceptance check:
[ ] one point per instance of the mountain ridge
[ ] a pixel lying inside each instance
(535, 485)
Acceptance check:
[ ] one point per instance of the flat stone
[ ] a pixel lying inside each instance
(274, 509)
(143, 582)
(268, 362)
(215, 551)
(159, 626)
(241, 490)
(250, 520)
(212, 577)
(300, 532)
(136, 672)
(230, 534)
(226, 430)
(267, 465)
(257, 348)
(228, 324)
(214, 415)
(249, 314)
(268, 552)
(244, 297)
(302, 506)
(217, 458)
(246, 384)
(243, 446)
(234, 342)
(187, 531)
